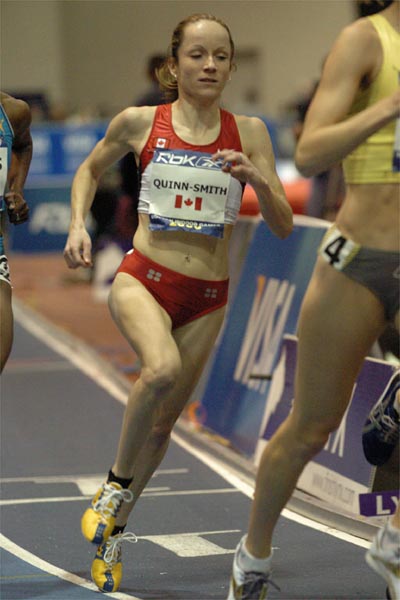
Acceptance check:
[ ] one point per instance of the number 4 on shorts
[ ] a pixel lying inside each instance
(333, 249)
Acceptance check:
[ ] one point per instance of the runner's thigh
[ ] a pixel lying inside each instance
(340, 320)
(143, 322)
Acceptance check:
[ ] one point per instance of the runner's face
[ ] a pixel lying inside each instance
(204, 59)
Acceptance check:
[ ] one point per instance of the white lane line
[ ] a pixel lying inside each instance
(73, 351)
(231, 477)
(74, 478)
(19, 501)
(190, 534)
(208, 491)
(47, 567)
(161, 492)
(191, 544)
(88, 365)
(44, 366)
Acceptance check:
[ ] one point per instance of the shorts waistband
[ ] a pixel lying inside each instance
(175, 274)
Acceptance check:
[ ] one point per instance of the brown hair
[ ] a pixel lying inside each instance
(365, 8)
(164, 76)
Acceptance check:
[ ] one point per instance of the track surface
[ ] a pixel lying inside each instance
(59, 431)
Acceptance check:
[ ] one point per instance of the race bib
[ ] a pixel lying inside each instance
(337, 250)
(188, 192)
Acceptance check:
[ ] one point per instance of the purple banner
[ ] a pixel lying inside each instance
(343, 452)
(379, 504)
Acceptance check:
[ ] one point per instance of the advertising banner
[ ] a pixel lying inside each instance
(265, 306)
(340, 472)
(58, 150)
(379, 504)
(49, 218)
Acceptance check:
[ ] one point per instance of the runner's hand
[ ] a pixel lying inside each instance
(17, 208)
(237, 164)
(78, 249)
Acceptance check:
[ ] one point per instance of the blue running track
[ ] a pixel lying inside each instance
(59, 430)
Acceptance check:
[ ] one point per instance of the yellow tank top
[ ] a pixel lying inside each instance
(371, 162)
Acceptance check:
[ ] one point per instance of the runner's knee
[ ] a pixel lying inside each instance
(161, 377)
(312, 438)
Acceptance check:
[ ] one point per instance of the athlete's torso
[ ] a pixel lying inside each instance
(371, 161)
(187, 206)
(370, 212)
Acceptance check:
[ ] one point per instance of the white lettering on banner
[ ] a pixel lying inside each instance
(329, 485)
(380, 511)
(265, 327)
(334, 489)
(52, 218)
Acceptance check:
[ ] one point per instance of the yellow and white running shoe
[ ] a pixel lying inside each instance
(98, 521)
(107, 565)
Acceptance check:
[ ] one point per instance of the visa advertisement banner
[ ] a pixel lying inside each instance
(265, 306)
(340, 472)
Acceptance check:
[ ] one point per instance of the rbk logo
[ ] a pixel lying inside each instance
(185, 158)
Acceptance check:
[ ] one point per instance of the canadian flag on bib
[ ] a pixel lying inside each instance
(188, 202)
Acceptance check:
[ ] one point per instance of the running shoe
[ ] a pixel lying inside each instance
(107, 565)
(384, 557)
(382, 427)
(248, 585)
(98, 521)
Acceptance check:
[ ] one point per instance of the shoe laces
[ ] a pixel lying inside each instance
(111, 499)
(387, 426)
(256, 583)
(113, 547)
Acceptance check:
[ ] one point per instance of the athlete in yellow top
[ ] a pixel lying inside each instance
(354, 290)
